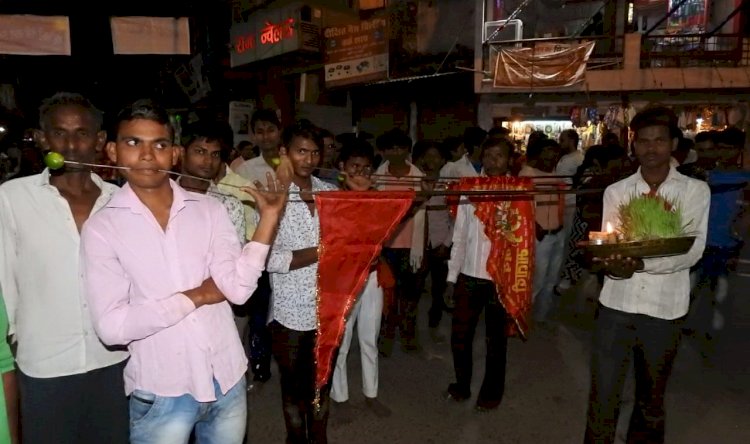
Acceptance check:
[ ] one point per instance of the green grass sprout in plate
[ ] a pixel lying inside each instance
(648, 217)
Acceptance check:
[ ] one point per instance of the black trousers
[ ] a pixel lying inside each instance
(471, 296)
(259, 344)
(293, 351)
(652, 344)
(402, 313)
(77, 409)
(437, 267)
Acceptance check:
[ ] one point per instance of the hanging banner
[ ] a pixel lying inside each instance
(34, 35)
(350, 239)
(356, 53)
(543, 66)
(150, 35)
(510, 226)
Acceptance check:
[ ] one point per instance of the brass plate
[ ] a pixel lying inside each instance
(641, 249)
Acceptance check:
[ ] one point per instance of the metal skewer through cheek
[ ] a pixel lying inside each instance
(426, 193)
(189, 176)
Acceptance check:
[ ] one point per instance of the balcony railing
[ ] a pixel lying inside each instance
(607, 54)
(694, 50)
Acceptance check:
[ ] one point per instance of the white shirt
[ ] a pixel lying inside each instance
(294, 299)
(662, 289)
(471, 247)
(460, 168)
(40, 275)
(255, 169)
(568, 166)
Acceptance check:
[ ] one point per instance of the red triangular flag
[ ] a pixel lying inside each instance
(353, 227)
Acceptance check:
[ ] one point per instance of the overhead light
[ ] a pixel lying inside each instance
(3, 129)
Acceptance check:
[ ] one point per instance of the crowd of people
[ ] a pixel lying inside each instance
(144, 311)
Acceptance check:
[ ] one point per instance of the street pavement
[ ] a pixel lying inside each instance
(708, 397)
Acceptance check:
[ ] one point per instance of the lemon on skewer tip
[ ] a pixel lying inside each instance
(54, 161)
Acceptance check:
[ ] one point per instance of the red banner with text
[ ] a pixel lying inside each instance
(510, 225)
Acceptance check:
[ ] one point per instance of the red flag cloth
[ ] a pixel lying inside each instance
(510, 225)
(353, 227)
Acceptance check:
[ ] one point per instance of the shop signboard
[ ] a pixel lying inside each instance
(34, 35)
(272, 32)
(356, 53)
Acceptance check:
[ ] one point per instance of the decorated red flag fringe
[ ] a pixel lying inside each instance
(509, 224)
(353, 227)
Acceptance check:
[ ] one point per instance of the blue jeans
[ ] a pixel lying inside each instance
(170, 420)
(549, 257)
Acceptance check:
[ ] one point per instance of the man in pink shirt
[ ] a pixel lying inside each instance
(161, 265)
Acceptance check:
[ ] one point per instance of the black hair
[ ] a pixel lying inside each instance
(572, 135)
(357, 148)
(146, 109)
(535, 149)
(393, 138)
(473, 138)
(601, 154)
(211, 131)
(705, 136)
(732, 136)
(498, 131)
(685, 145)
(325, 133)
(422, 146)
(68, 99)
(610, 138)
(535, 137)
(304, 130)
(501, 142)
(656, 116)
(451, 144)
(243, 144)
(264, 115)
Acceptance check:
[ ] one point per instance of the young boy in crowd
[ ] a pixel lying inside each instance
(356, 162)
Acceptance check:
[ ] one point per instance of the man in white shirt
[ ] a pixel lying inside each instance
(266, 128)
(643, 300)
(71, 385)
(475, 291)
(267, 136)
(470, 164)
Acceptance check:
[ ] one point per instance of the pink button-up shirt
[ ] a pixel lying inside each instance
(135, 272)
